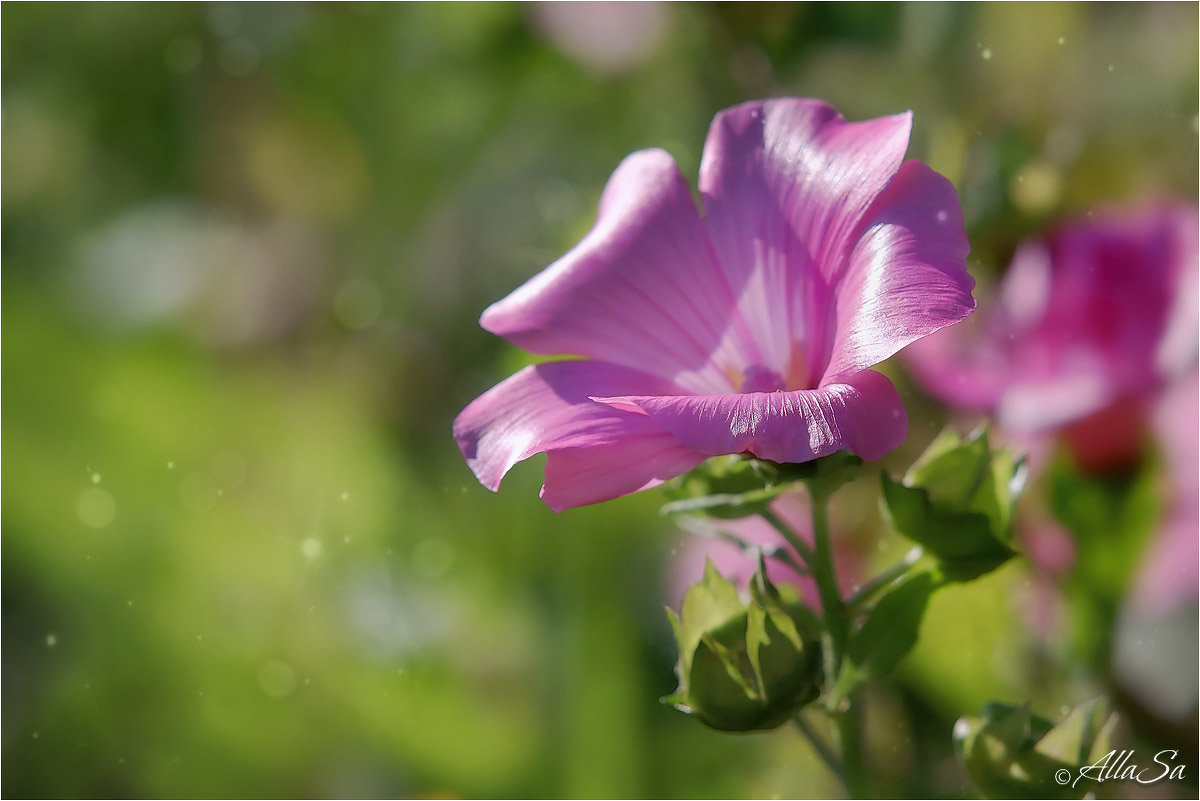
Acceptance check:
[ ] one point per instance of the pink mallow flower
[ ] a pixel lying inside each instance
(1089, 325)
(747, 328)
(1092, 342)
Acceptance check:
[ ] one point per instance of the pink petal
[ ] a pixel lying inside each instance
(641, 289)
(786, 186)
(1001, 363)
(863, 414)
(1177, 351)
(961, 365)
(907, 275)
(596, 453)
(1110, 286)
(1096, 311)
(638, 458)
(1169, 574)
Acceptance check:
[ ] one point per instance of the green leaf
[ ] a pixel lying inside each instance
(963, 542)
(891, 629)
(725, 505)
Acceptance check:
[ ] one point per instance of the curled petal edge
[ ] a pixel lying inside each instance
(594, 452)
(863, 413)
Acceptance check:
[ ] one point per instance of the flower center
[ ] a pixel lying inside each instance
(762, 379)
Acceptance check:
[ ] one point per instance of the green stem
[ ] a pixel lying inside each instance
(854, 770)
(793, 539)
(821, 748)
(821, 565)
(835, 640)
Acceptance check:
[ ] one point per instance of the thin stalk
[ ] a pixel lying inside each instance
(821, 565)
(835, 639)
(821, 747)
(778, 553)
(788, 534)
(885, 578)
(854, 770)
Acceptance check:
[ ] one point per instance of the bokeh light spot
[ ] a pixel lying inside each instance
(95, 507)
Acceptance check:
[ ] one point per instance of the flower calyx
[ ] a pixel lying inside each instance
(744, 666)
(735, 486)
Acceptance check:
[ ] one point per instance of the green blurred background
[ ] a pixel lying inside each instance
(244, 252)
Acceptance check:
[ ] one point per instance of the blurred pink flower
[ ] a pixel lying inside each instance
(1090, 323)
(606, 38)
(819, 254)
(1092, 340)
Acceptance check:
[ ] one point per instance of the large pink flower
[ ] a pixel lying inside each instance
(750, 328)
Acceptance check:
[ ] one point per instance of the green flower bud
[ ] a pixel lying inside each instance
(956, 501)
(744, 666)
(1011, 753)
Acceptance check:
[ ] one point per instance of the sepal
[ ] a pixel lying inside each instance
(737, 486)
(744, 666)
